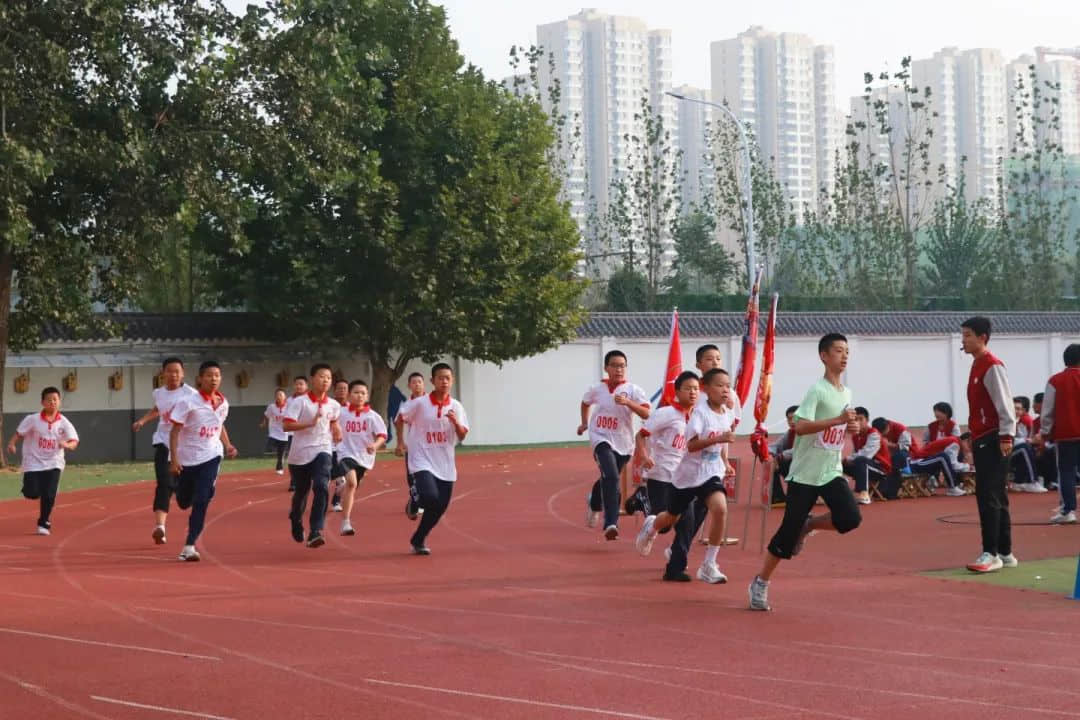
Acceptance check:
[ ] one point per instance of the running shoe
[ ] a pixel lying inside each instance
(986, 562)
(759, 594)
(159, 535)
(189, 554)
(710, 573)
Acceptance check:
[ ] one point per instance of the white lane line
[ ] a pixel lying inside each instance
(132, 556)
(276, 623)
(159, 708)
(164, 582)
(338, 573)
(515, 700)
(46, 695)
(19, 569)
(116, 646)
(30, 596)
(490, 613)
(15, 547)
(552, 512)
(936, 656)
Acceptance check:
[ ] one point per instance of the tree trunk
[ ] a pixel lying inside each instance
(382, 378)
(7, 264)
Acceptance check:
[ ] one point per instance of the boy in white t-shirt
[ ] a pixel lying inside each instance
(416, 389)
(46, 435)
(614, 402)
(313, 421)
(437, 423)
(363, 433)
(300, 389)
(341, 395)
(165, 397)
(197, 442)
(661, 446)
(700, 475)
(276, 437)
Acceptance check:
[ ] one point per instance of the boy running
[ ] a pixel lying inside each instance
(165, 398)
(341, 395)
(611, 434)
(197, 441)
(821, 422)
(300, 389)
(700, 475)
(416, 390)
(313, 421)
(363, 433)
(272, 420)
(992, 423)
(46, 435)
(436, 425)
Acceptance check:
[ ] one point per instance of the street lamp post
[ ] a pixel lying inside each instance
(748, 206)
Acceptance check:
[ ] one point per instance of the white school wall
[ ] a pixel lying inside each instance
(537, 399)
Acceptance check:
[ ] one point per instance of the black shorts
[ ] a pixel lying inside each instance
(680, 498)
(800, 501)
(344, 465)
(40, 482)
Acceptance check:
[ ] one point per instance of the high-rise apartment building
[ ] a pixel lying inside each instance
(695, 121)
(1057, 79)
(783, 86)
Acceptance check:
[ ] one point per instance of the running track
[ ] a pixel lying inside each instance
(519, 613)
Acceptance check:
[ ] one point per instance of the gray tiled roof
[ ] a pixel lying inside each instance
(724, 324)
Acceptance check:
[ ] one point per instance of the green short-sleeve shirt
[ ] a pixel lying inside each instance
(817, 457)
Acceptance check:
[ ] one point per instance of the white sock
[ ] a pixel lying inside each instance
(710, 554)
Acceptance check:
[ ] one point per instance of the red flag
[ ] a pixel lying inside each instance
(759, 439)
(745, 375)
(674, 362)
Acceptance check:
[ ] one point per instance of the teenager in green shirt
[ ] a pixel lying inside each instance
(822, 421)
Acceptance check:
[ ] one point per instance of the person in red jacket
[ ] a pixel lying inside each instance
(898, 439)
(1022, 460)
(992, 423)
(870, 459)
(942, 456)
(1045, 453)
(1061, 424)
(943, 424)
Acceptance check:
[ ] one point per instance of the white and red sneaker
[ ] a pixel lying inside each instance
(987, 562)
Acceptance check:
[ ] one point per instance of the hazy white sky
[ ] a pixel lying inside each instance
(865, 35)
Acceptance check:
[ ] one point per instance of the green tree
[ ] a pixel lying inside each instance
(627, 291)
(959, 247)
(407, 207)
(91, 98)
(701, 264)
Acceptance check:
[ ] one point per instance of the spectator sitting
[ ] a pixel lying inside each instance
(781, 452)
(940, 456)
(870, 459)
(897, 438)
(1022, 459)
(943, 424)
(1045, 456)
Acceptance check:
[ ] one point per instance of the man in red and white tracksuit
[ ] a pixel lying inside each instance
(992, 423)
(1060, 423)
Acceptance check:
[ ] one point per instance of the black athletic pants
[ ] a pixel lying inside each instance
(605, 491)
(315, 476)
(434, 495)
(166, 481)
(991, 497)
(43, 485)
(800, 501)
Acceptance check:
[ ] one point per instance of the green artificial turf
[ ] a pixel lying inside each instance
(1053, 575)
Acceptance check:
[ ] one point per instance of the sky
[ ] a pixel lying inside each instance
(866, 36)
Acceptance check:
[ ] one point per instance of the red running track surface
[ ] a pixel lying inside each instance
(520, 612)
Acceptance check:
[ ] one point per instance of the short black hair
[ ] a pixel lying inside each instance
(354, 383)
(299, 377)
(683, 377)
(280, 390)
(827, 341)
(1037, 398)
(415, 374)
(880, 424)
(170, 360)
(979, 325)
(943, 407)
(1071, 356)
(208, 365)
(1024, 401)
(320, 366)
(342, 380)
(440, 366)
(790, 410)
(708, 376)
(704, 349)
(49, 391)
(612, 354)
(860, 411)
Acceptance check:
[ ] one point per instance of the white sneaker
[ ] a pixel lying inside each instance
(592, 518)
(1037, 487)
(985, 563)
(955, 491)
(158, 535)
(645, 536)
(611, 532)
(347, 528)
(42, 530)
(759, 594)
(338, 507)
(280, 472)
(1009, 560)
(1059, 518)
(189, 554)
(710, 573)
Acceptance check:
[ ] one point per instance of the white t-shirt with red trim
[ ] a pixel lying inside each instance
(432, 438)
(360, 427)
(309, 442)
(202, 418)
(611, 423)
(666, 433)
(698, 467)
(275, 417)
(42, 449)
(164, 400)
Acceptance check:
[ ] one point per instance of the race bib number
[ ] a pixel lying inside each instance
(606, 422)
(832, 438)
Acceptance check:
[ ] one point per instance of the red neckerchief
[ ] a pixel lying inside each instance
(52, 422)
(685, 411)
(282, 405)
(359, 410)
(317, 401)
(611, 384)
(209, 399)
(437, 404)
